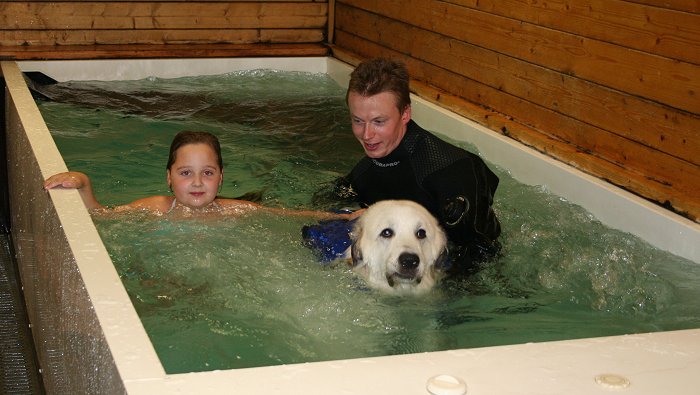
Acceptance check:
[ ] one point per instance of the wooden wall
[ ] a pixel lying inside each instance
(609, 86)
(72, 28)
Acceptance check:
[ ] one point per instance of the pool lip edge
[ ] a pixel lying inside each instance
(660, 362)
(142, 380)
(608, 203)
(119, 322)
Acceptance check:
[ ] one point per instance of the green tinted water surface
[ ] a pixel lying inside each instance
(242, 291)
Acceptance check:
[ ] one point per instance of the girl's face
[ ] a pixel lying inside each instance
(377, 123)
(195, 175)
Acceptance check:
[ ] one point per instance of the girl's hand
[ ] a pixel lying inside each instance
(74, 180)
(69, 179)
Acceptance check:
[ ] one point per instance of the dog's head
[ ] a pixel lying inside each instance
(397, 245)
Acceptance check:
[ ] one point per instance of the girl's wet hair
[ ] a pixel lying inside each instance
(379, 75)
(189, 137)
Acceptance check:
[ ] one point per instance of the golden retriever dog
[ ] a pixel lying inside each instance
(399, 247)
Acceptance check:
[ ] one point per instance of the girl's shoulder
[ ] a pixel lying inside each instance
(161, 204)
(236, 203)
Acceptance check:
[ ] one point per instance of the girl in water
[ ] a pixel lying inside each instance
(194, 174)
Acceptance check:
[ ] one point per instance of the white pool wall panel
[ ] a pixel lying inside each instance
(90, 340)
(72, 291)
(611, 205)
(116, 70)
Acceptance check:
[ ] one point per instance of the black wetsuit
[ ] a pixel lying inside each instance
(456, 186)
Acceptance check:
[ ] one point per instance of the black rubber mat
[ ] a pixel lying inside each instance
(19, 373)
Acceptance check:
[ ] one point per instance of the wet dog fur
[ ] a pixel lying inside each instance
(398, 247)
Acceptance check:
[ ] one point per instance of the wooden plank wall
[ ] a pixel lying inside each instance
(74, 26)
(609, 86)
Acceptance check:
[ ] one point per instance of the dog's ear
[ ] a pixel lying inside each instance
(443, 262)
(356, 254)
(355, 251)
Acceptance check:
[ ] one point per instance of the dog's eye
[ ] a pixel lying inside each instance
(387, 233)
(421, 234)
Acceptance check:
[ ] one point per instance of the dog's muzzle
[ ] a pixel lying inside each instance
(408, 262)
(408, 269)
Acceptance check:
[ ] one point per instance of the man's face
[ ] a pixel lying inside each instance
(377, 123)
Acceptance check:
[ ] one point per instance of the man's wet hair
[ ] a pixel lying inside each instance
(380, 75)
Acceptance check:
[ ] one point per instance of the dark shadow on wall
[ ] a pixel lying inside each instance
(4, 186)
(19, 369)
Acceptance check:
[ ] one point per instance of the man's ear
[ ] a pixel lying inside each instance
(406, 114)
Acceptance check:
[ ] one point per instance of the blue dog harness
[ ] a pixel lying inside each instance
(329, 238)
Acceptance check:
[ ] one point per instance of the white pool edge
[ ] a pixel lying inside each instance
(665, 362)
(611, 205)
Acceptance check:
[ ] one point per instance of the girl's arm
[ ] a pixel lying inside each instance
(75, 180)
(160, 204)
(244, 204)
(81, 182)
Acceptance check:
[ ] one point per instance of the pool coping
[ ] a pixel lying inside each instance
(662, 362)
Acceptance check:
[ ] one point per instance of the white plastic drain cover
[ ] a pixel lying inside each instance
(445, 384)
(612, 381)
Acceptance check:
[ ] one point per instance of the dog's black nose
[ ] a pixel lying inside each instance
(409, 260)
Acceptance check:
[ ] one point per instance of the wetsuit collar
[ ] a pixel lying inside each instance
(401, 151)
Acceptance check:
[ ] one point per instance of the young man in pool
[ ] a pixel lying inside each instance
(404, 161)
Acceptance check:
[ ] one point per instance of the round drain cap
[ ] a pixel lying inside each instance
(445, 384)
(612, 381)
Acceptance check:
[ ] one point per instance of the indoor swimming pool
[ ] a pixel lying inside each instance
(242, 291)
(89, 327)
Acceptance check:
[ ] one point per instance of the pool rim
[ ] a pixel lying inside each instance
(141, 371)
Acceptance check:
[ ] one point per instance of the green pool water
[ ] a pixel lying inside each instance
(238, 292)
